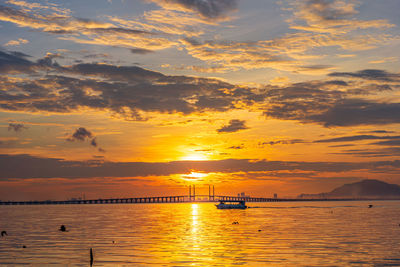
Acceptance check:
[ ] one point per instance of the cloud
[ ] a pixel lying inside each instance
(395, 141)
(80, 30)
(355, 138)
(80, 134)
(16, 42)
(36, 167)
(132, 92)
(370, 74)
(372, 153)
(210, 9)
(175, 25)
(241, 146)
(14, 62)
(233, 126)
(281, 142)
(93, 142)
(330, 16)
(126, 91)
(352, 112)
(333, 103)
(141, 51)
(319, 23)
(378, 131)
(293, 52)
(16, 127)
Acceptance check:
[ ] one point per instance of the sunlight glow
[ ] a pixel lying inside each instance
(195, 157)
(194, 176)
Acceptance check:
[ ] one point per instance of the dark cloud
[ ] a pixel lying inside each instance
(346, 145)
(141, 51)
(233, 126)
(131, 91)
(282, 142)
(125, 90)
(310, 103)
(300, 101)
(370, 74)
(393, 142)
(211, 9)
(372, 153)
(14, 62)
(93, 142)
(355, 138)
(378, 131)
(81, 134)
(16, 127)
(27, 166)
(236, 147)
(351, 112)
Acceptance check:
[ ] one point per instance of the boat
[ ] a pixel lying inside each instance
(231, 204)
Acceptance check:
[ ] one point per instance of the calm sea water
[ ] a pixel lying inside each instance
(268, 234)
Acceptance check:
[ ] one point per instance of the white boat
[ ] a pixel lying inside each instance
(239, 205)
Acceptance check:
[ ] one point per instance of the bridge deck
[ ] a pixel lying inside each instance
(165, 199)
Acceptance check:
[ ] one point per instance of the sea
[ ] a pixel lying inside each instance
(315, 233)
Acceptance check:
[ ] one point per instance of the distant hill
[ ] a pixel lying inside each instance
(365, 189)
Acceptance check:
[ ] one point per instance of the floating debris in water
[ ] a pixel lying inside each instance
(3, 233)
(370, 206)
(23, 246)
(235, 223)
(62, 228)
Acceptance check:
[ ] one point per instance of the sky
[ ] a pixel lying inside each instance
(128, 98)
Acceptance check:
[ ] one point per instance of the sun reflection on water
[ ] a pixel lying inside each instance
(195, 223)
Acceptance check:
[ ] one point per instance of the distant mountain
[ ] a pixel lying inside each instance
(365, 189)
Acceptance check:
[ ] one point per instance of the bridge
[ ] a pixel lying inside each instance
(164, 199)
(192, 197)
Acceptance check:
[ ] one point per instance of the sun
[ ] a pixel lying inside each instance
(195, 157)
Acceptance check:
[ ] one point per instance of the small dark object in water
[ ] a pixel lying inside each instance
(235, 223)
(113, 241)
(3, 233)
(259, 230)
(62, 228)
(91, 256)
(23, 246)
(370, 206)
